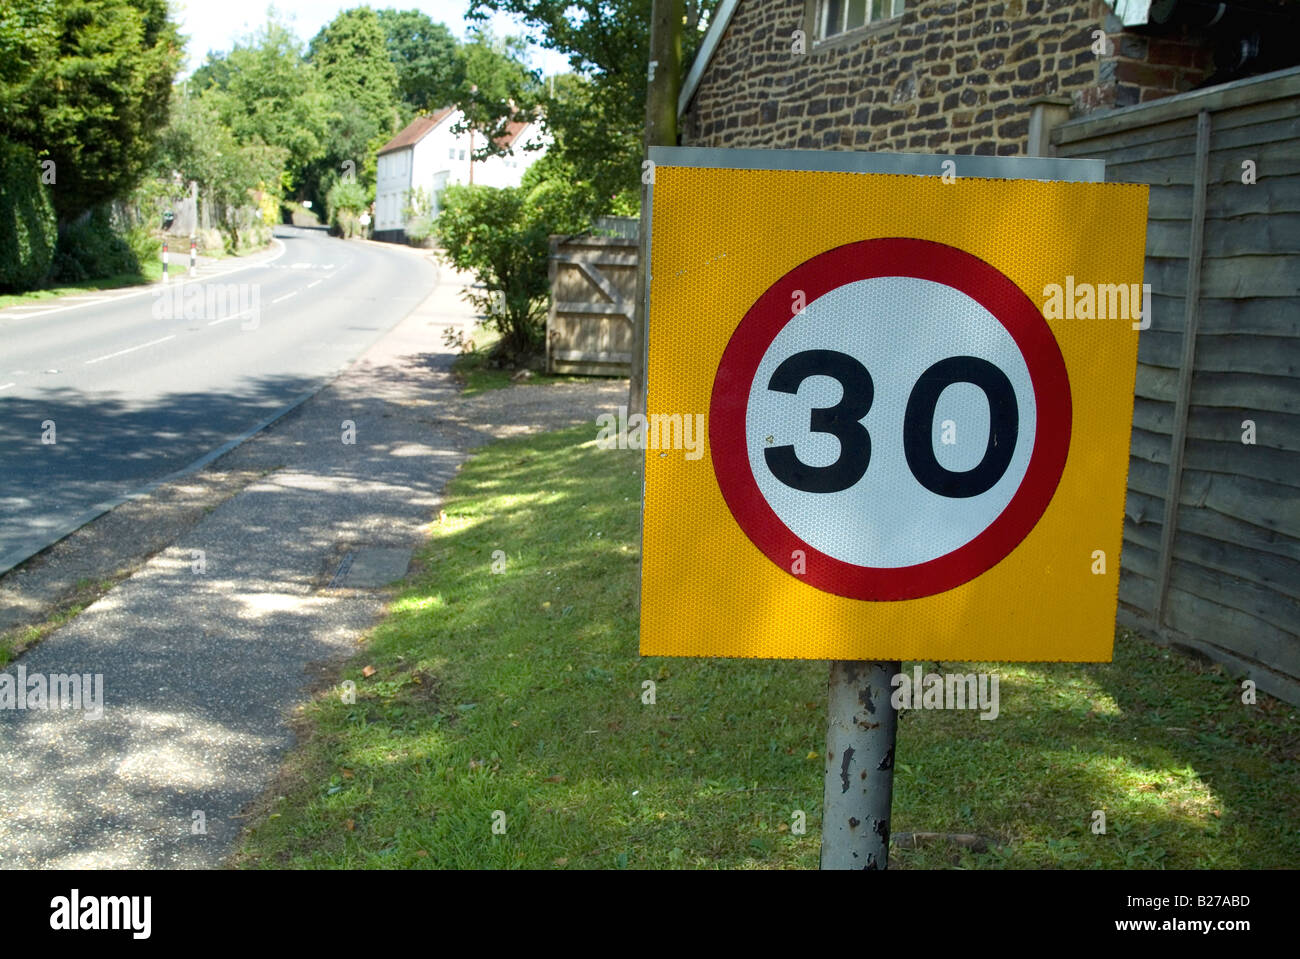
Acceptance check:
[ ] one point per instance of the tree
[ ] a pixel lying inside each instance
(495, 87)
(215, 72)
(27, 40)
(350, 55)
(266, 93)
(424, 55)
(599, 145)
(345, 203)
(607, 42)
(91, 91)
(359, 83)
(200, 147)
(27, 225)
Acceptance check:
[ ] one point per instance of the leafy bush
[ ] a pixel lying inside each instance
(345, 201)
(419, 229)
(418, 215)
(269, 206)
(91, 248)
(28, 230)
(211, 242)
(146, 244)
(502, 237)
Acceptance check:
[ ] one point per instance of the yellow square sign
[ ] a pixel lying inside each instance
(887, 415)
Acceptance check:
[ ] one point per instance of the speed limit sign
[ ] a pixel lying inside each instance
(795, 403)
(906, 457)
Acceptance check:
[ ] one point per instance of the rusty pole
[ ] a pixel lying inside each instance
(859, 775)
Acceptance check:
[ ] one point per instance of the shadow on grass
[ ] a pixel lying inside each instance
(516, 698)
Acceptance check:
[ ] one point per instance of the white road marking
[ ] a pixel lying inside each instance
(285, 297)
(316, 283)
(6, 386)
(236, 316)
(100, 359)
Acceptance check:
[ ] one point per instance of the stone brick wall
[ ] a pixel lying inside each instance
(948, 76)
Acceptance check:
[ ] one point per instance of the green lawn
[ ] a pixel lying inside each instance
(520, 692)
(151, 272)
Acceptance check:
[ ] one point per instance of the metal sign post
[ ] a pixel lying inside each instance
(859, 765)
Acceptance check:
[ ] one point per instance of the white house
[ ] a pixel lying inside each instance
(429, 154)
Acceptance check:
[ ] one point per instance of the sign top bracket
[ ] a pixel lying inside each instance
(906, 164)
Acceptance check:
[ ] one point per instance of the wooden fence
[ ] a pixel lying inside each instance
(593, 287)
(1212, 526)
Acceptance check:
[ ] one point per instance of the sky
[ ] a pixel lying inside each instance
(217, 24)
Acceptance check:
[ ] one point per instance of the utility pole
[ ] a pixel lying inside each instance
(663, 79)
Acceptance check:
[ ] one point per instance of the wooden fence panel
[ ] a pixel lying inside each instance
(1212, 519)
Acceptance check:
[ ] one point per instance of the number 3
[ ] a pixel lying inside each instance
(840, 420)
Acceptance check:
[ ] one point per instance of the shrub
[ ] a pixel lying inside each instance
(210, 242)
(345, 201)
(418, 215)
(419, 229)
(28, 229)
(91, 249)
(146, 244)
(502, 236)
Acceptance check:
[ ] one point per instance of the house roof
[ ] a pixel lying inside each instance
(721, 20)
(415, 131)
(514, 129)
(421, 127)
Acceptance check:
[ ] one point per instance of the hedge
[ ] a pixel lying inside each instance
(28, 228)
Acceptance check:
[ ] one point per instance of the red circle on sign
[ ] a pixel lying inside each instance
(864, 260)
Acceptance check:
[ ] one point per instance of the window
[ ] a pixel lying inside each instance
(451, 154)
(462, 154)
(840, 16)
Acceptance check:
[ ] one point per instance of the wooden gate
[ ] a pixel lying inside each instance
(593, 287)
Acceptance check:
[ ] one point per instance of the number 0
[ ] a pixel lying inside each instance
(918, 423)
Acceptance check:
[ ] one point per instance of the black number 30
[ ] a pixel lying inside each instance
(842, 422)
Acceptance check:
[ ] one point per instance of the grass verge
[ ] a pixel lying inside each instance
(519, 695)
(17, 640)
(476, 376)
(150, 272)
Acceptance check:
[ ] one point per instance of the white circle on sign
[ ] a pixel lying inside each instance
(897, 327)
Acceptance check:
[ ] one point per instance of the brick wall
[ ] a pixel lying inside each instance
(948, 76)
